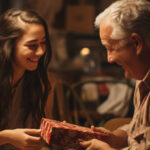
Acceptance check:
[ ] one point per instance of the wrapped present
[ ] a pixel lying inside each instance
(64, 134)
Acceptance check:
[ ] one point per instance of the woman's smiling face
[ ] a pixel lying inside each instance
(29, 48)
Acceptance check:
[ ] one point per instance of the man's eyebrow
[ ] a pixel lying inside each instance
(105, 43)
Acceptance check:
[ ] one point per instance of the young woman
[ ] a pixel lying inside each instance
(25, 90)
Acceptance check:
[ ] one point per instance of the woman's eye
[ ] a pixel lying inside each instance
(33, 46)
(43, 43)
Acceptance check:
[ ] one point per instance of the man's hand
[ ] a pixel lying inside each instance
(95, 144)
(107, 135)
(116, 139)
(102, 130)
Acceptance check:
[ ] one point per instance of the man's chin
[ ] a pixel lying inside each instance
(128, 75)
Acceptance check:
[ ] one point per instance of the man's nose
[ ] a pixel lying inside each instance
(109, 57)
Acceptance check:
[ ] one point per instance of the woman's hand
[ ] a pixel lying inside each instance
(95, 144)
(25, 139)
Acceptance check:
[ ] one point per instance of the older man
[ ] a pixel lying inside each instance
(124, 29)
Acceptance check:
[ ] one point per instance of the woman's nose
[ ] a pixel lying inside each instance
(40, 51)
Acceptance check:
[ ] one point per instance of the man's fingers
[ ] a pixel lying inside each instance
(85, 144)
(93, 128)
(33, 148)
(101, 130)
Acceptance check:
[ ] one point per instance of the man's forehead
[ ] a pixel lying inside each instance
(105, 32)
(110, 43)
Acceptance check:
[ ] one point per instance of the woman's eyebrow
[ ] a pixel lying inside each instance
(30, 41)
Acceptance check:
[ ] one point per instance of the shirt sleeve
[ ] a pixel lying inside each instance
(146, 139)
(125, 127)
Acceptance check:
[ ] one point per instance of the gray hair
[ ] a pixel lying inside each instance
(128, 16)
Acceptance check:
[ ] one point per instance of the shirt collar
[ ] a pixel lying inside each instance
(146, 79)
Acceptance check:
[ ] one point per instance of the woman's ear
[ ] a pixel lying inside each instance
(137, 42)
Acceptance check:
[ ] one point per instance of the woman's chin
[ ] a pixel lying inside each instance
(32, 68)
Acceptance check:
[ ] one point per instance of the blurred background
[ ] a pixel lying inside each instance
(88, 90)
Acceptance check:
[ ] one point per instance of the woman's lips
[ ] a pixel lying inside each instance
(33, 60)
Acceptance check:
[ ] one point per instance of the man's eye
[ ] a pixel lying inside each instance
(110, 49)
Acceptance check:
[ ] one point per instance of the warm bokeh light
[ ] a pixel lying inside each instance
(85, 51)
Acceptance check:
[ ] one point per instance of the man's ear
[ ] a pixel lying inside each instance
(137, 42)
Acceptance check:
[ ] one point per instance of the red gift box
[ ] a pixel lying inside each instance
(65, 134)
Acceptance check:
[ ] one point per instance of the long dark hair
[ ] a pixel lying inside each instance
(36, 85)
